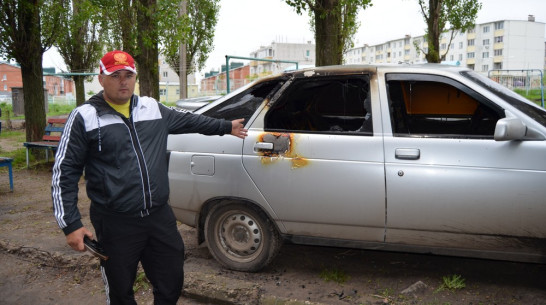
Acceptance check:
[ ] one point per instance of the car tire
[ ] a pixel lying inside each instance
(241, 237)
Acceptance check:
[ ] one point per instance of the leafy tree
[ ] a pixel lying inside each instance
(80, 42)
(335, 23)
(28, 28)
(443, 15)
(197, 35)
(143, 28)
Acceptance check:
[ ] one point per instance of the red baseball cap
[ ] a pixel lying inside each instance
(116, 60)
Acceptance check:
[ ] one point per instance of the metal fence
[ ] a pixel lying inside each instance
(530, 82)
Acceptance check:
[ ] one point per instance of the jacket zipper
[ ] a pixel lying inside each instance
(142, 165)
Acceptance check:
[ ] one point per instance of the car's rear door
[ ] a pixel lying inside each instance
(449, 183)
(316, 156)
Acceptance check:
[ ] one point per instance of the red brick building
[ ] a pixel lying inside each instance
(10, 76)
(214, 84)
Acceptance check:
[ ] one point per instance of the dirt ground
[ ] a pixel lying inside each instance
(39, 268)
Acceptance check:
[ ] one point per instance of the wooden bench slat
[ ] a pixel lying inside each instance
(51, 138)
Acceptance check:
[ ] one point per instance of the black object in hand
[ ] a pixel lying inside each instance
(94, 247)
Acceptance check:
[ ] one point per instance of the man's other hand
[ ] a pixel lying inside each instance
(238, 128)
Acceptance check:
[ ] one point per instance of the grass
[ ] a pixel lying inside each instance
(452, 282)
(334, 275)
(532, 95)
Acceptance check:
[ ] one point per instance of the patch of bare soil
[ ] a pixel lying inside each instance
(39, 268)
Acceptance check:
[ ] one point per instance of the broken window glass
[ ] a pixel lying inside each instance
(244, 105)
(324, 105)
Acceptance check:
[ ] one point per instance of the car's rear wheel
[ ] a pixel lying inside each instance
(241, 237)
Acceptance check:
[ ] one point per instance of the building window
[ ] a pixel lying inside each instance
(452, 46)
(307, 53)
(470, 42)
(470, 55)
(498, 52)
(497, 66)
(451, 57)
(485, 42)
(499, 25)
(471, 67)
(177, 91)
(485, 68)
(5, 77)
(498, 39)
(485, 55)
(165, 74)
(444, 46)
(406, 52)
(486, 29)
(473, 30)
(460, 45)
(5, 87)
(460, 57)
(162, 91)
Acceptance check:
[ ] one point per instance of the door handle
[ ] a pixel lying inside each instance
(263, 146)
(407, 153)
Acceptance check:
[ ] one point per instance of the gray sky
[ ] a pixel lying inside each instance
(245, 25)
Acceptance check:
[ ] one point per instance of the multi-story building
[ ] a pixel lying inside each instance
(303, 53)
(497, 45)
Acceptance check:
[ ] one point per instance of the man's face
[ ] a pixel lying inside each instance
(118, 86)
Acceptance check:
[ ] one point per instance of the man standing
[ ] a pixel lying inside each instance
(120, 140)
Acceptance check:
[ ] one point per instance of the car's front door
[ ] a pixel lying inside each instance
(314, 157)
(449, 183)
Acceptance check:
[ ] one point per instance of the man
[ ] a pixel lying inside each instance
(120, 140)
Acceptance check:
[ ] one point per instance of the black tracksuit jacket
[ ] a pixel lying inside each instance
(124, 159)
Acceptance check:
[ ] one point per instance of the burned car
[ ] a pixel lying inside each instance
(414, 158)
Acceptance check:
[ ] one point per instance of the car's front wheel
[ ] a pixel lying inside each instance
(241, 237)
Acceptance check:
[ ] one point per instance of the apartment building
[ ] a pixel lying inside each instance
(503, 44)
(303, 53)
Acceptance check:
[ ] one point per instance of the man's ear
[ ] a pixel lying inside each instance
(100, 79)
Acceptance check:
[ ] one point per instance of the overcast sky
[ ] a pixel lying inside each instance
(245, 25)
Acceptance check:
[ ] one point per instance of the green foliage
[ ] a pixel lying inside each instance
(334, 23)
(141, 282)
(334, 275)
(452, 282)
(196, 30)
(442, 16)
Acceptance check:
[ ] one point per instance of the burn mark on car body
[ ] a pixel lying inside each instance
(283, 147)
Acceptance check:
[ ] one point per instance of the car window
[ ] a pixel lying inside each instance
(324, 105)
(433, 106)
(244, 105)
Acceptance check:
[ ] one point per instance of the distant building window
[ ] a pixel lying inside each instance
(451, 57)
(498, 39)
(460, 57)
(486, 29)
(473, 30)
(471, 67)
(499, 25)
(406, 52)
(5, 87)
(444, 46)
(498, 52)
(165, 74)
(497, 66)
(5, 77)
(485, 68)
(470, 55)
(485, 55)
(162, 91)
(486, 42)
(470, 42)
(460, 45)
(308, 53)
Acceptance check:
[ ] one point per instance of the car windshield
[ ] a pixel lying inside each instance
(514, 99)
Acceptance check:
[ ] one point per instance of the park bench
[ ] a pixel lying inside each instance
(51, 138)
(4, 161)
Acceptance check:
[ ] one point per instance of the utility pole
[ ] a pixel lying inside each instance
(182, 72)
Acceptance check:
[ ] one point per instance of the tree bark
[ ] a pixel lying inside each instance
(148, 49)
(327, 28)
(434, 11)
(30, 58)
(80, 89)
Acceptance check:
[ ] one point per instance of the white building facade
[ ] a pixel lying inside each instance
(498, 45)
(303, 53)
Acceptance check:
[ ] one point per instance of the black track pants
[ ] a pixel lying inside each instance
(154, 241)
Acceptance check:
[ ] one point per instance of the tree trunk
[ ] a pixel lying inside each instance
(80, 89)
(433, 39)
(327, 28)
(32, 73)
(148, 50)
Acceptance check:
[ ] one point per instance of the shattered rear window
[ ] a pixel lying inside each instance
(244, 104)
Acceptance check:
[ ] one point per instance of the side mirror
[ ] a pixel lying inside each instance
(510, 129)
